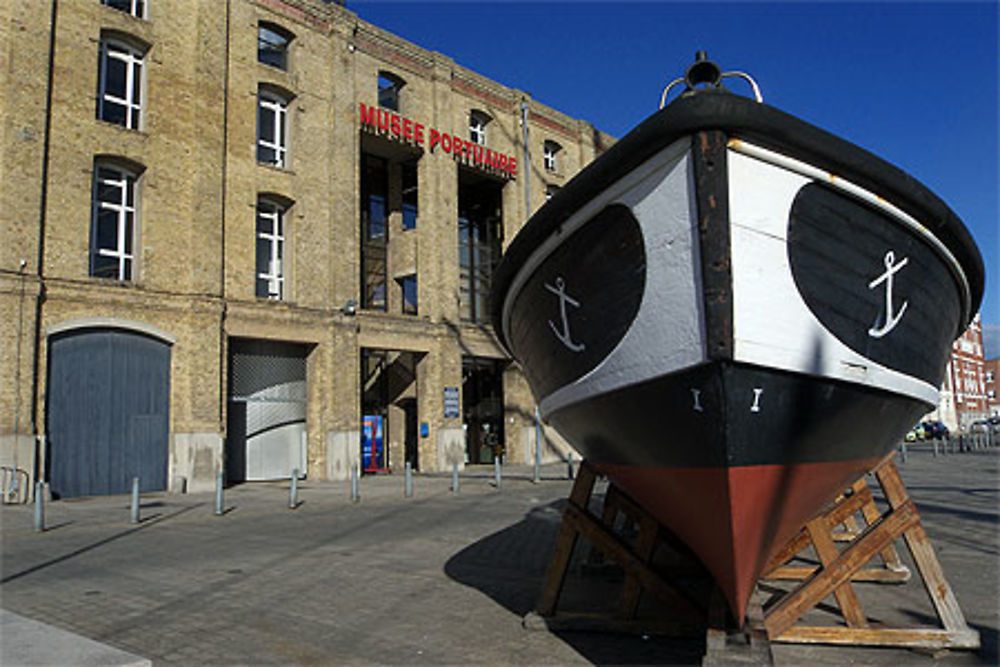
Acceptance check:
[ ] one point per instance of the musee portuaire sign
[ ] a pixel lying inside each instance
(390, 123)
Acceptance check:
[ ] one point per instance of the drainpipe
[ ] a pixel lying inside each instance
(39, 260)
(222, 233)
(526, 170)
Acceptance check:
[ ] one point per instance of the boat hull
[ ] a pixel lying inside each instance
(722, 464)
(734, 315)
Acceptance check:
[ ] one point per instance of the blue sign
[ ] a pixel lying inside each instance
(452, 408)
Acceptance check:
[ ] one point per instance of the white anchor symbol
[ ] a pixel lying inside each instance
(891, 320)
(564, 335)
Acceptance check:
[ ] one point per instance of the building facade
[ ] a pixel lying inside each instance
(256, 236)
(964, 392)
(992, 370)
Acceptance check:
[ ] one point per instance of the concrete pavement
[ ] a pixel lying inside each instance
(436, 579)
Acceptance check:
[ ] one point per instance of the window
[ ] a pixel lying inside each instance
(272, 129)
(136, 8)
(119, 95)
(477, 127)
(409, 195)
(270, 250)
(113, 222)
(549, 150)
(374, 231)
(480, 235)
(272, 45)
(389, 87)
(408, 286)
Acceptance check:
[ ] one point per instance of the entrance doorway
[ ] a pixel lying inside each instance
(389, 403)
(266, 427)
(482, 408)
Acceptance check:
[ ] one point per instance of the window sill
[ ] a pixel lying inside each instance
(279, 170)
(121, 128)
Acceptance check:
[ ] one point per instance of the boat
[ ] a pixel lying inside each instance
(733, 314)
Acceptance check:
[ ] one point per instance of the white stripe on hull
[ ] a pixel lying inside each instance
(668, 333)
(772, 326)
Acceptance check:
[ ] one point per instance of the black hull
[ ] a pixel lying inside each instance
(798, 419)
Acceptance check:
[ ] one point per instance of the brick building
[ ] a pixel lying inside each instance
(991, 368)
(964, 392)
(250, 234)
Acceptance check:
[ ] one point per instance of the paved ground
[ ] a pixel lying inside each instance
(436, 579)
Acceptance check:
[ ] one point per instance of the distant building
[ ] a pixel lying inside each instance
(992, 371)
(963, 392)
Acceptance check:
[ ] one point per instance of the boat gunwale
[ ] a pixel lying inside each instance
(742, 118)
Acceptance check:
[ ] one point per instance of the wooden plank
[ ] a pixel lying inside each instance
(555, 577)
(847, 599)
(645, 546)
(811, 591)
(908, 637)
(941, 595)
(616, 549)
(871, 514)
(836, 515)
(870, 574)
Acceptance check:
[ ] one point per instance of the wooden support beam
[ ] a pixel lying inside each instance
(839, 569)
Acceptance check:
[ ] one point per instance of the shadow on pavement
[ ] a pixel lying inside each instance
(509, 566)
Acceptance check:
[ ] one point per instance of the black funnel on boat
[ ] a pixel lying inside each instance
(702, 71)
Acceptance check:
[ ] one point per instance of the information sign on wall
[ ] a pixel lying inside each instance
(451, 405)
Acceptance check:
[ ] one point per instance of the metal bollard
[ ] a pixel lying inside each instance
(293, 490)
(454, 477)
(134, 514)
(40, 507)
(935, 449)
(355, 491)
(537, 474)
(408, 481)
(218, 494)
(569, 466)
(496, 471)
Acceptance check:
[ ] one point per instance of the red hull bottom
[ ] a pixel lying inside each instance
(735, 518)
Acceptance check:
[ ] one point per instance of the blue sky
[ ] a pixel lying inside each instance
(914, 82)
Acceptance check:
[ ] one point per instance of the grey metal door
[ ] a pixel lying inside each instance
(267, 410)
(108, 399)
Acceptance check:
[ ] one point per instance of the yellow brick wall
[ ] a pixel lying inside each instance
(195, 254)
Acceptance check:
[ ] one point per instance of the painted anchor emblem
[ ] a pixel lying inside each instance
(564, 336)
(891, 318)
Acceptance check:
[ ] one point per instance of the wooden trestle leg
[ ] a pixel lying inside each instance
(779, 622)
(635, 560)
(838, 568)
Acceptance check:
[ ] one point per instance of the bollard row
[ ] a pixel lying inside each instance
(293, 490)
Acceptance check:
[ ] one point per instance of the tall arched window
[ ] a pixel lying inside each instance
(120, 83)
(114, 220)
(272, 233)
(272, 127)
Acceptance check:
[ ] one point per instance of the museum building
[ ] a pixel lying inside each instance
(256, 236)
